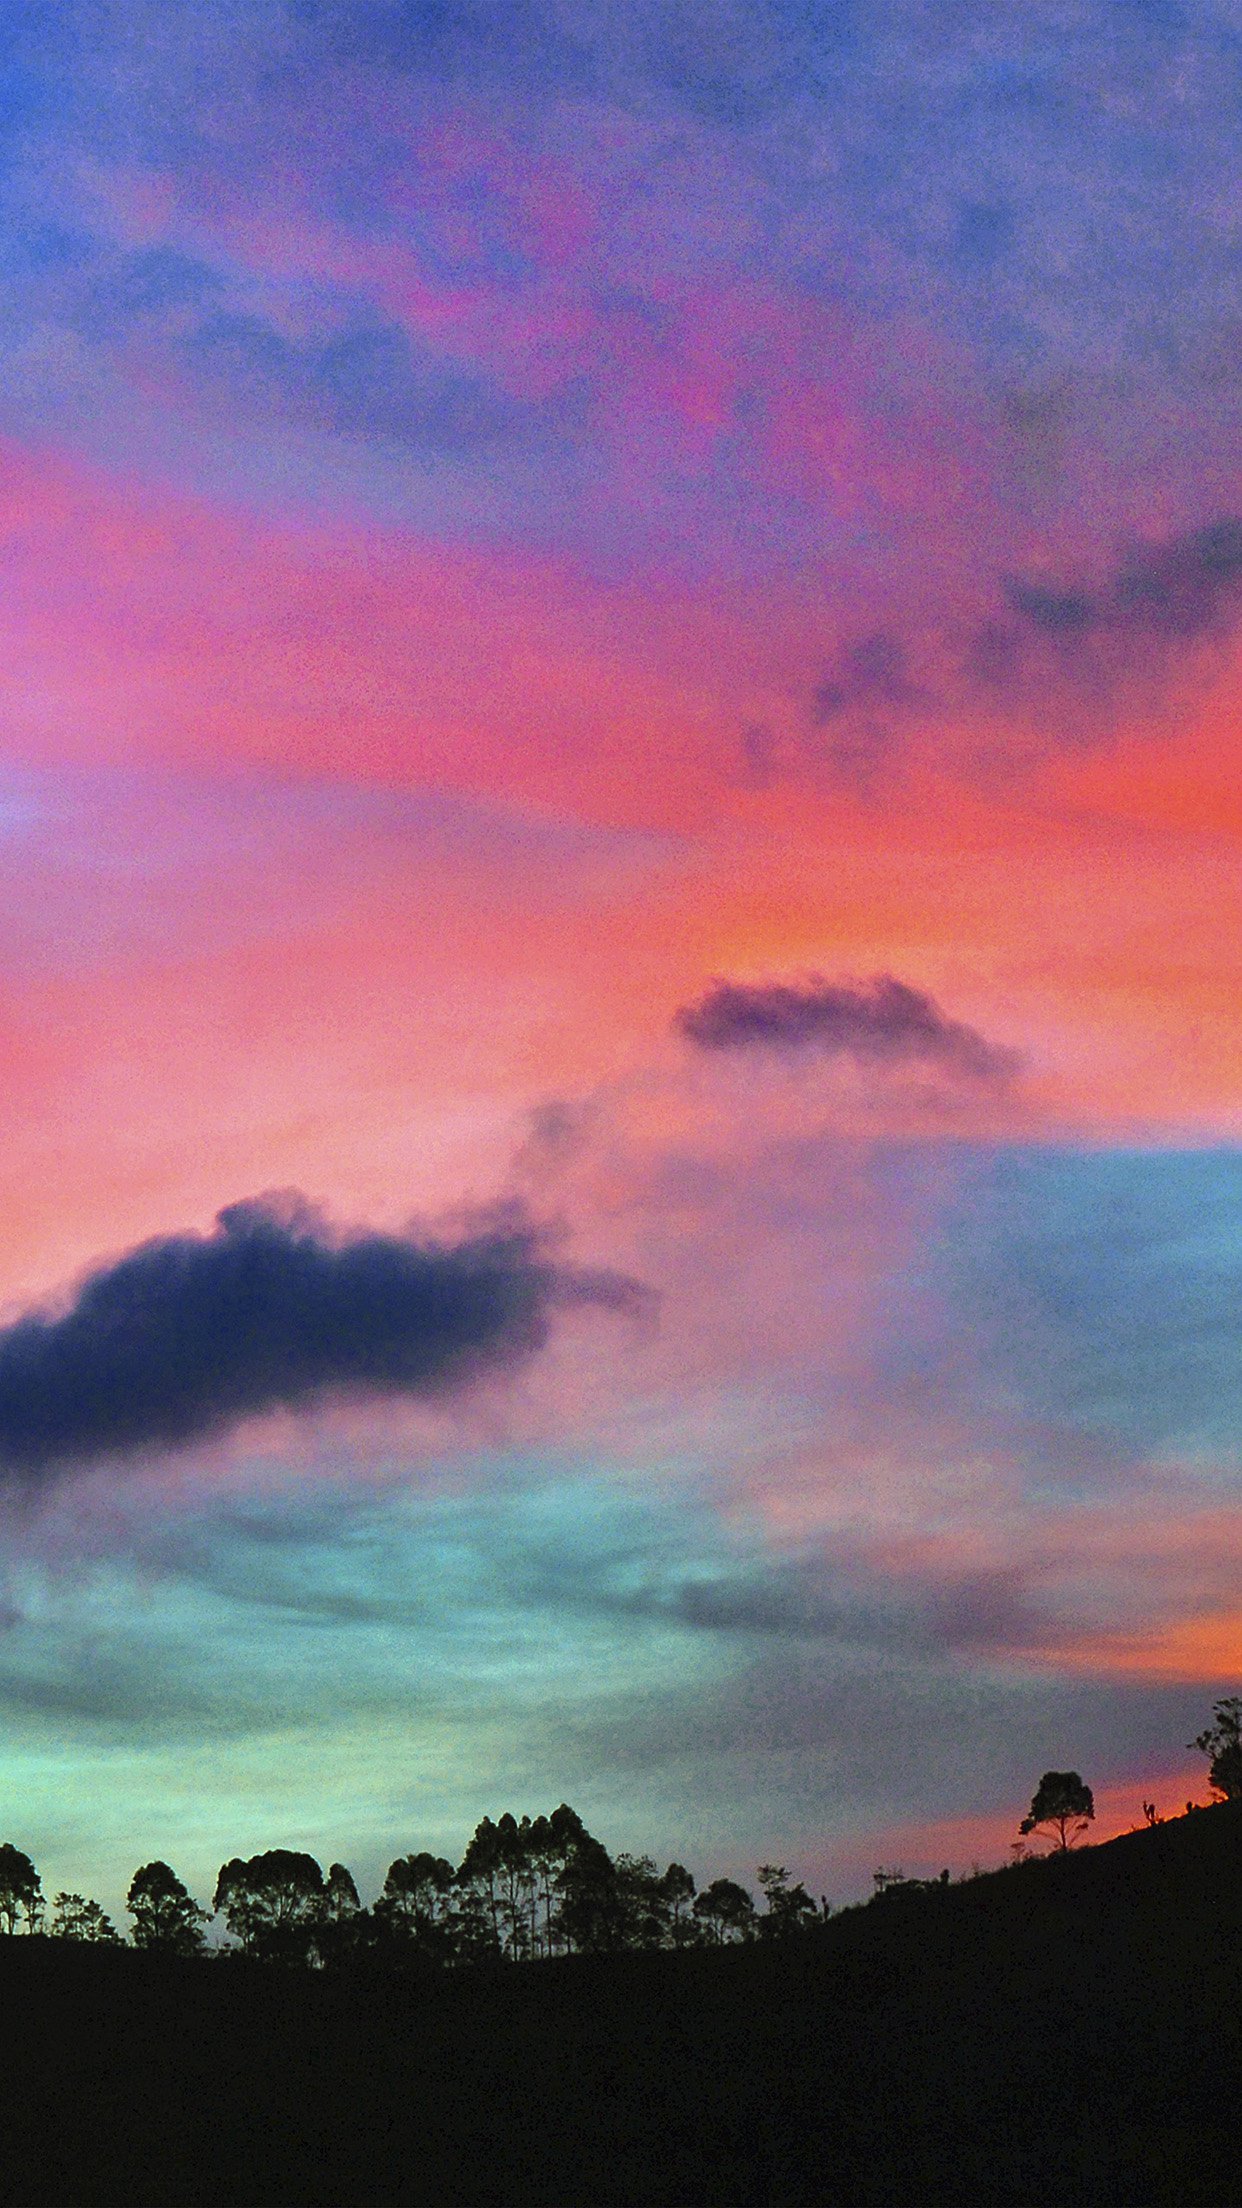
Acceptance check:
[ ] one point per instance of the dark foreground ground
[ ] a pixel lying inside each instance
(1059, 2033)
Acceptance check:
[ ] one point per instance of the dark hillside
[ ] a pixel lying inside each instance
(1061, 2030)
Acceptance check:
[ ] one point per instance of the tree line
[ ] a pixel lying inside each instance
(525, 1889)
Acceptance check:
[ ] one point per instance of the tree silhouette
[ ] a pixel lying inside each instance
(592, 1914)
(545, 1847)
(273, 1904)
(340, 1895)
(726, 1911)
(342, 1923)
(526, 1888)
(1222, 1741)
(538, 1886)
(470, 1934)
(76, 1918)
(644, 1909)
(165, 1915)
(579, 1866)
(417, 1905)
(515, 1883)
(790, 1907)
(1060, 1811)
(21, 1890)
(478, 1876)
(679, 1890)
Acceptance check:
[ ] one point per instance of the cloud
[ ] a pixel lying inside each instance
(867, 688)
(1099, 1292)
(883, 1021)
(872, 671)
(1040, 639)
(1177, 590)
(188, 1334)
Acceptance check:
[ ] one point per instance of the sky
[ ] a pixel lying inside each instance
(620, 923)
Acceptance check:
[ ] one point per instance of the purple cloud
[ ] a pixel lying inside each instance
(881, 1021)
(1176, 590)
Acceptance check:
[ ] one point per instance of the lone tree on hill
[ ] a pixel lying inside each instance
(1222, 1741)
(1060, 1812)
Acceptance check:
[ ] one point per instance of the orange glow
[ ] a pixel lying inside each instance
(987, 1840)
(1197, 1650)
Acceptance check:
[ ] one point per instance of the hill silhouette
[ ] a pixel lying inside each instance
(1062, 2029)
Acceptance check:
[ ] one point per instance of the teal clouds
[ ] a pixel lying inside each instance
(1101, 1291)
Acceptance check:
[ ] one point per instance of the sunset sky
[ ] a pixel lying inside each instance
(618, 672)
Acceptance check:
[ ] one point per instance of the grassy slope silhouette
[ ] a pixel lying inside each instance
(1066, 2029)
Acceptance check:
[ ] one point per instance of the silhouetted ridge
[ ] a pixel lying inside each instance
(1066, 2028)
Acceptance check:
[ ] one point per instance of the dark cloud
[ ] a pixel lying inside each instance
(872, 671)
(866, 691)
(1177, 590)
(1055, 613)
(881, 1021)
(190, 1333)
(1079, 642)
